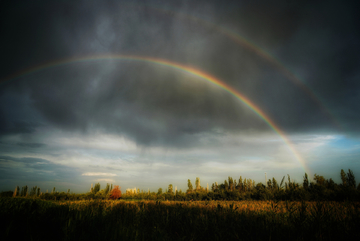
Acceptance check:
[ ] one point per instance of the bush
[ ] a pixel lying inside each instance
(115, 193)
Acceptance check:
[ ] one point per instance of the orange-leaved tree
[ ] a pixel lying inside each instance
(115, 193)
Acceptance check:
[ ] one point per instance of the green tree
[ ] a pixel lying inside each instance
(330, 184)
(351, 179)
(275, 186)
(107, 189)
(197, 183)
(170, 189)
(281, 183)
(290, 184)
(160, 191)
(33, 191)
(96, 188)
(268, 184)
(24, 191)
(343, 178)
(231, 183)
(319, 180)
(190, 186)
(306, 182)
(226, 185)
(240, 184)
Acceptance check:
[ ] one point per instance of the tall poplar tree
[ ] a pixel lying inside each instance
(306, 182)
(240, 185)
(351, 179)
(107, 189)
(343, 178)
(190, 186)
(96, 188)
(170, 189)
(197, 183)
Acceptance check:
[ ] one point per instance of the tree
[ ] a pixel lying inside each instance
(343, 178)
(96, 188)
(231, 182)
(107, 189)
(24, 191)
(240, 185)
(275, 186)
(197, 183)
(249, 184)
(33, 191)
(351, 179)
(330, 184)
(115, 193)
(320, 180)
(268, 184)
(190, 186)
(226, 185)
(281, 183)
(16, 192)
(170, 189)
(291, 184)
(159, 191)
(306, 182)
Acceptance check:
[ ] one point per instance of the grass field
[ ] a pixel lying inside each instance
(34, 219)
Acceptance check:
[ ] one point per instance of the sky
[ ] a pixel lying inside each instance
(150, 93)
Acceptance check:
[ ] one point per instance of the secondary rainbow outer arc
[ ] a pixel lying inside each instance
(181, 67)
(237, 38)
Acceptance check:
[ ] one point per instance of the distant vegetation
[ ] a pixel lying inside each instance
(319, 210)
(318, 189)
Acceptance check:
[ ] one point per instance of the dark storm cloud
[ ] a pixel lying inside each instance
(29, 168)
(31, 145)
(325, 48)
(159, 106)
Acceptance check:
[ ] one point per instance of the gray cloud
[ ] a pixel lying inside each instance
(31, 145)
(158, 106)
(28, 168)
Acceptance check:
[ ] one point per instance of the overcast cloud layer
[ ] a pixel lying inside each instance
(141, 124)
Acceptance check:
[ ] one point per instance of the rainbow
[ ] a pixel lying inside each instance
(240, 40)
(177, 66)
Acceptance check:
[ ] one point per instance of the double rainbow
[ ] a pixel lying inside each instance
(180, 67)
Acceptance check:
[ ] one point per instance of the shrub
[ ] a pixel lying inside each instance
(115, 193)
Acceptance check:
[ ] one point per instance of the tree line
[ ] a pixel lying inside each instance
(318, 189)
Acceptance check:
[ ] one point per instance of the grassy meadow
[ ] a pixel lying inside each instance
(36, 219)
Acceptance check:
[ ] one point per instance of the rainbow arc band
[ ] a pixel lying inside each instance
(177, 66)
(251, 46)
